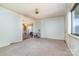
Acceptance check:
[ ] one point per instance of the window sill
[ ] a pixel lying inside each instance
(74, 36)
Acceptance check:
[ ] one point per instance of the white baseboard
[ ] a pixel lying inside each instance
(4, 45)
(52, 38)
(70, 48)
(16, 41)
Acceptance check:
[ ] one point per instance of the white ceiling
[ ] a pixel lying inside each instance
(45, 9)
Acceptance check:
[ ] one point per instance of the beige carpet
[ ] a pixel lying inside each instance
(37, 47)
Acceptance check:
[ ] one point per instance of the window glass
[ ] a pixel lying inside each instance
(75, 20)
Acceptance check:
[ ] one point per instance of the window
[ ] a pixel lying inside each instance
(75, 20)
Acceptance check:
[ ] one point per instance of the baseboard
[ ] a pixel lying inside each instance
(9, 43)
(52, 38)
(69, 48)
(16, 41)
(4, 45)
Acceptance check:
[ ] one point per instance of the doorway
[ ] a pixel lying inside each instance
(27, 31)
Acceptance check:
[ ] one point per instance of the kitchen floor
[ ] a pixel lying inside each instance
(37, 47)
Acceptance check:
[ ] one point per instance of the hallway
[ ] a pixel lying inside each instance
(37, 47)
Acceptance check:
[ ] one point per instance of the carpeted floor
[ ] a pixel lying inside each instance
(37, 47)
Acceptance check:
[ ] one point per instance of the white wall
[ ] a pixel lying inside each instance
(10, 27)
(28, 20)
(52, 28)
(37, 26)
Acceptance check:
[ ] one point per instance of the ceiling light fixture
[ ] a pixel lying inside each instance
(36, 11)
